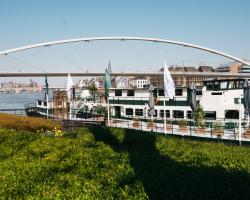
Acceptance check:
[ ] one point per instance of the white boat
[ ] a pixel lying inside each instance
(219, 99)
(81, 106)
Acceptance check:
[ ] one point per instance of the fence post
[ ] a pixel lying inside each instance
(155, 127)
(190, 127)
(234, 133)
(172, 127)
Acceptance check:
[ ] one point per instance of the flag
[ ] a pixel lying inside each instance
(81, 83)
(46, 85)
(69, 86)
(107, 81)
(169, 87)
(109, 67)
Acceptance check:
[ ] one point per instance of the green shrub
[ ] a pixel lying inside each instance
(113, 163)
(218, 126)
(199, 117)
(182, 123)
(74, 166)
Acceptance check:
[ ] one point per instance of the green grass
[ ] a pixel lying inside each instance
(101, 163)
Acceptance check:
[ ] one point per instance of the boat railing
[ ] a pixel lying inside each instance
(14, 111)
(29, 105)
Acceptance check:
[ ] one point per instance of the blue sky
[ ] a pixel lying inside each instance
(218, 24)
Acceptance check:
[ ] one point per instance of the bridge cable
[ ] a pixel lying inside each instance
(25, 63)
(65, 57)
(165, 53)
(100, 52)
(20, 61)
(139, 57)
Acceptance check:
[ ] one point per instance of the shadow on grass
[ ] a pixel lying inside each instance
(164, 178)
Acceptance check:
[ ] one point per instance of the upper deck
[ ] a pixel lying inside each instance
(224, 84)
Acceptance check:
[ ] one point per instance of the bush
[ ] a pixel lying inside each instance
(199, 117)
(182, 123)
(75, 166)
(101, 110)
(26, 123)
(116, 163)
(218, 126)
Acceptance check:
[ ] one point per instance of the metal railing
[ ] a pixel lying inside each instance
(20, 112)
(226, 130)
(215, 132)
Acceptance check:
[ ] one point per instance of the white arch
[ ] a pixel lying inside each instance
(123, 38)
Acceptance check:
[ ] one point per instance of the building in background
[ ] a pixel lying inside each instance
(139, 82)
(232, 67)
(244, 68)
(186, 77)
(121, 82)
(13, 86)
(206, 69)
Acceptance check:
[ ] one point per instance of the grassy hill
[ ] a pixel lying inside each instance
(102, 163)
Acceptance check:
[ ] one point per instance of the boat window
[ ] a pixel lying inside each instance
(39, 103)
(45, 103)
(131, 93)
(139, 112)
(198, 92)
(216, 93)
(155, 93)
(209, 85)
(161, 93)
(178, 114)
(241, 84)
(231, 114)
(118, 93)
(178, 92)
(231, 85)
(167, 113)
(189, 114)
(210, 114)
(223, 85)
(236, 84)
(129, 111)
(216, 85)
(156, 113)
(161, 113)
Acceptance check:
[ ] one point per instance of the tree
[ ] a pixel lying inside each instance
(92, 89)
(199, 116)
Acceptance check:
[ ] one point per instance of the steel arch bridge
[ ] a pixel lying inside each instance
(123, 38)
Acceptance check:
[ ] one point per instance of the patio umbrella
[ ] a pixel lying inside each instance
(151, 101)
(193, 101)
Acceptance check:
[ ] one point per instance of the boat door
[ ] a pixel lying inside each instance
(117, 111)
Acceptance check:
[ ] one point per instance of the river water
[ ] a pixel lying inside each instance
(17, 101)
